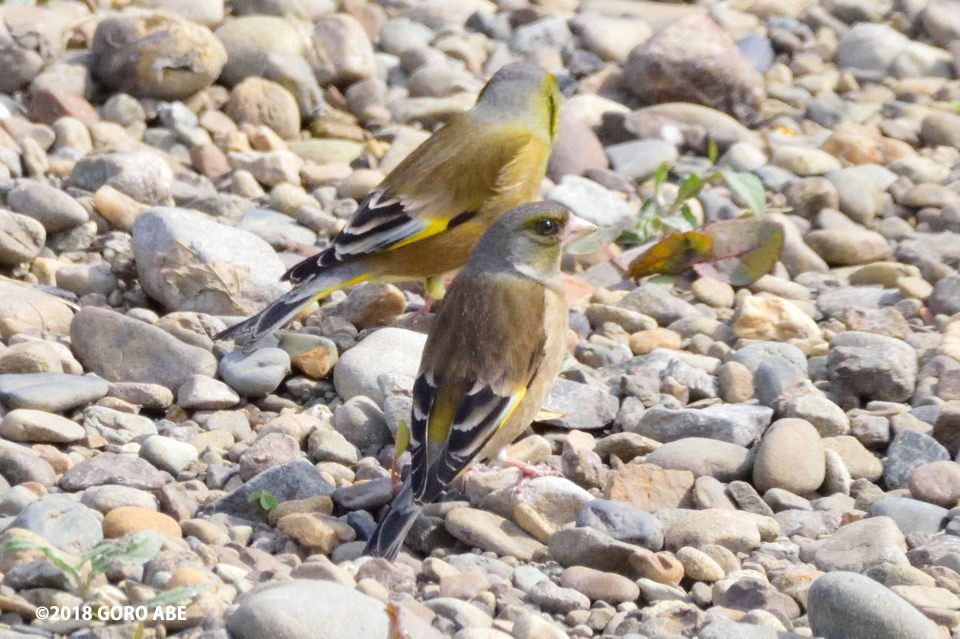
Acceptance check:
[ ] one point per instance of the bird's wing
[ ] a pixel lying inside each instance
(484, 352)
(436, 188)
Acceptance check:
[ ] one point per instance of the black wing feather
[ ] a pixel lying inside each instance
(381, 220)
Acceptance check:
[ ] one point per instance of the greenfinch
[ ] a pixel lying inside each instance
(427, 214)
(493, 352)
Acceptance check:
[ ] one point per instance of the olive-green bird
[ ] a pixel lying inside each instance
(493, 352)
(427, 214)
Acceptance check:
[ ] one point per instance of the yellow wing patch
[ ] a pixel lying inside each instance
(326, 292)
(401, 439)
(513, 406)
(436, 226)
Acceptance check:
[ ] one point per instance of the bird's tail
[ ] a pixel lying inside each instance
(393, 528)
(249, 333)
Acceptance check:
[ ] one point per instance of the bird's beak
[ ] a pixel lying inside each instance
(577, 227)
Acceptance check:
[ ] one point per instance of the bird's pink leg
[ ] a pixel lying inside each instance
(615, 258)
(530, 471)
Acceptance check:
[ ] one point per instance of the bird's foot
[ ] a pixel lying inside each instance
(426, 308)
(616, 259)
(530, 471)
(395, 478)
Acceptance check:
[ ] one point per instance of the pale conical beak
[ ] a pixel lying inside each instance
(576, 228)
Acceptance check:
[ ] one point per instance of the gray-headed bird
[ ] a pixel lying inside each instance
(425, 217)
(493, 352)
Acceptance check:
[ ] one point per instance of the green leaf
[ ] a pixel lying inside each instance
(174, 596)
(660, 177)
(267, 501)
(712, 151)
(956, 106)
(50, 552)
(137, 549)
(673, 254)
(689, 216)
(141, 547)
(744, 250)
(630, 236)
(664, 279)
(750, 189)
(689, 188)
(738, 251)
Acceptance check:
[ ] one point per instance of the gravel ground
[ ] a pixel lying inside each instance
(769, 462)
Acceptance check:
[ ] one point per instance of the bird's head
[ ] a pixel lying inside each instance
(522, 90)
(529, 239)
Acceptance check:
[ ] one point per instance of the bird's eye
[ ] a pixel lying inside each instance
(547, 226)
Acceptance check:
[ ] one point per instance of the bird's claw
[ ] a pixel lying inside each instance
(530, 471)
(616, 259)
(395, 478)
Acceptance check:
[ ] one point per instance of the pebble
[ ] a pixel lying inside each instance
(121, 349)
(330, 610)
(532, 626)
(481, 529)
(580, 406)
(106, 497)
(257, 101)
(639, 159)
(130, 519)
(188, 262)
(271, 449)
(737, 424)
(803, 160)
(872, 366)
(937, 482)
(911, 515)
(54, 209)
(828, 418)
(63, 522)
(26, 308)
(21, 238)
(698, 565)
(735, 382)
(622, 522)
(316, 533)
(598, 585)
(907, 451)
(773, 319)
(650, 487)
(707, 53)
(123, 43)
(384, 351)
(860, 462)
(168, 454)
(701, 456)
(27, 425)
(834, 598)
(461, 613)
(199, 392)
(791, 457)
(140, 175)
(846, 247)
(256, 374)
(112, 468)
(50, 392)
(116, 427)
(294, 480)
(734, 531)
(31, 357)
(859, 545)
(362, 424)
